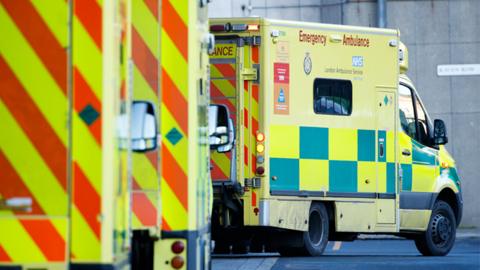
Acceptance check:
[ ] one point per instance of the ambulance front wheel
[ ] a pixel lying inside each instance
(439, 238)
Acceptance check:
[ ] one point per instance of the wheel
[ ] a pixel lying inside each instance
(439, 238)
(313, 241)
(316, 238)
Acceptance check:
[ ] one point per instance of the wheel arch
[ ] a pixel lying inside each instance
(454, 200)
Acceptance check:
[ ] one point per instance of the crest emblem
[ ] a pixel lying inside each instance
(307, 64)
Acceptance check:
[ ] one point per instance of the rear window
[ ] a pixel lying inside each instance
(332, 96)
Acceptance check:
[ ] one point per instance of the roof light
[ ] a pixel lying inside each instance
(239, 27)
(217, 28)
(253, 27)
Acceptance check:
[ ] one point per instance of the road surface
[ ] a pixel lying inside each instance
(362, 254)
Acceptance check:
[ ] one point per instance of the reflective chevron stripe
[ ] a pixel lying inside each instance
(87, 130)
(145, 31)
(254, 115)
(174, 114)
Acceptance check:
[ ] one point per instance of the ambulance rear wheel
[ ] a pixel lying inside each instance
(316, 238)
(439, 238)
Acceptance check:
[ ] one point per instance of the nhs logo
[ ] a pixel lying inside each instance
(357, 61)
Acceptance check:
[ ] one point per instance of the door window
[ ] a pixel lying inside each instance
(422, 123)
(413, 118)
(407, 112)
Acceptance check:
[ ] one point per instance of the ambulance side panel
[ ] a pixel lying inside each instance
(35, 139)
(185, 181)
(334, 153)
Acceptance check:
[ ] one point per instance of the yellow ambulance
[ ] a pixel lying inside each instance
(317, 134)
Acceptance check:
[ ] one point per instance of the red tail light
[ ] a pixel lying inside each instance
(178, 247)
(217, 28)
(260, 170)
(177, 262)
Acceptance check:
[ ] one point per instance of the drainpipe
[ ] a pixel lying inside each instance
(382, 13)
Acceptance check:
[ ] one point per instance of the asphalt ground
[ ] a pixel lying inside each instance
(370, 253)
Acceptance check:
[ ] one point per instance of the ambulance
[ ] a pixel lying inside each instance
(104, 147)
(318, 135)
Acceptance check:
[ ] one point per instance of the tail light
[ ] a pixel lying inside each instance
(260, 159)
(260, 137)
(178, 247)
(260, 148)
(177, 262)
(228, 27)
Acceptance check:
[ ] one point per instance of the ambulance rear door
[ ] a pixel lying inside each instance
(225, 83)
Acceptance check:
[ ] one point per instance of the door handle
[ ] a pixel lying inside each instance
(406, 152)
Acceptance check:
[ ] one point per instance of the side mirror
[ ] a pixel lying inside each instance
(231, 138)
(218, 126)
(209, 42)
(143, 127)
(439, 132)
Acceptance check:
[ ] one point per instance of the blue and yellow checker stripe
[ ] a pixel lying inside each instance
(420, 170)
(331, 159)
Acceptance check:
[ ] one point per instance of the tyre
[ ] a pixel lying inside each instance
(311, 242)
(316, 238)
(439, 238)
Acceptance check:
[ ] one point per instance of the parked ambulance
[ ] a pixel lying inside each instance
(317, 134)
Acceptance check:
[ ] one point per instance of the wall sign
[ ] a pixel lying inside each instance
(458, 70)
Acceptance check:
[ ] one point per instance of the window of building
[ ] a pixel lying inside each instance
(332, 96)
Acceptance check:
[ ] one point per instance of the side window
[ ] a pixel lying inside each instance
(407, 113)
(332, 97)
(422, 123)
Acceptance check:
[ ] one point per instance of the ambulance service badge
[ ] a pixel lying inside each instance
(307, 64)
